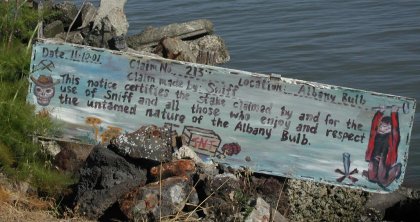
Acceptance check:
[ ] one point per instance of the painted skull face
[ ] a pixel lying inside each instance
(44, 94)
(44, 89)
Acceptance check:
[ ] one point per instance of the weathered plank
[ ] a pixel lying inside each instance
(271, 124)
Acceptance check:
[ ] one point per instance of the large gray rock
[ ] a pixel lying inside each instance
(263, 212)
(54, 28)
(104, 178)
(72, 156)
(148, 142)
(210, 50)
(157, 200)
(114, 12)
(152, 36)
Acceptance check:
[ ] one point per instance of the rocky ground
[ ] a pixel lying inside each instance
(157, 180)
(149, 175)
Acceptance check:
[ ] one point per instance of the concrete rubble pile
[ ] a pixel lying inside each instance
(107, 27)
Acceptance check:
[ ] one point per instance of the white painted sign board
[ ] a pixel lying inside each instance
(271, 124)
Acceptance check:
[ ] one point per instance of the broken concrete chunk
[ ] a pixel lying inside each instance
(114, 11)
(104, 178)
(174, 48)
(186, 152)
(152, 36)
(154, 201)
(53, 29)
(210, 50)
(148, 142)
(87, 14)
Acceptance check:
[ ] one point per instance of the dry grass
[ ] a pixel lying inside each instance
(18, 206)
(15, 206)
(9, 212)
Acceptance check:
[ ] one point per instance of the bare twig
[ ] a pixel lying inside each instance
(278, 200)
(33, 36)
(74, 20)
(160, 191)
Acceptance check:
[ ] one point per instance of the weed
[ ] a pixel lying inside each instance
(243, 199)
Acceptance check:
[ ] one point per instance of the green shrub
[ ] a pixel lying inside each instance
(20, 157)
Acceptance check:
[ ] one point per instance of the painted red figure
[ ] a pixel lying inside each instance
(382, 150)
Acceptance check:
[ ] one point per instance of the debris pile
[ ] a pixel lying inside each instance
(107, 26)
(135, 176)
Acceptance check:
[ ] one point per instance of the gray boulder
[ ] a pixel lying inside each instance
(209, 49)
(104, 178)
(151, 36)
(148, 142)
(72, 156)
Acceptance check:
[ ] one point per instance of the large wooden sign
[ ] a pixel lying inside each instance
(271, 124)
